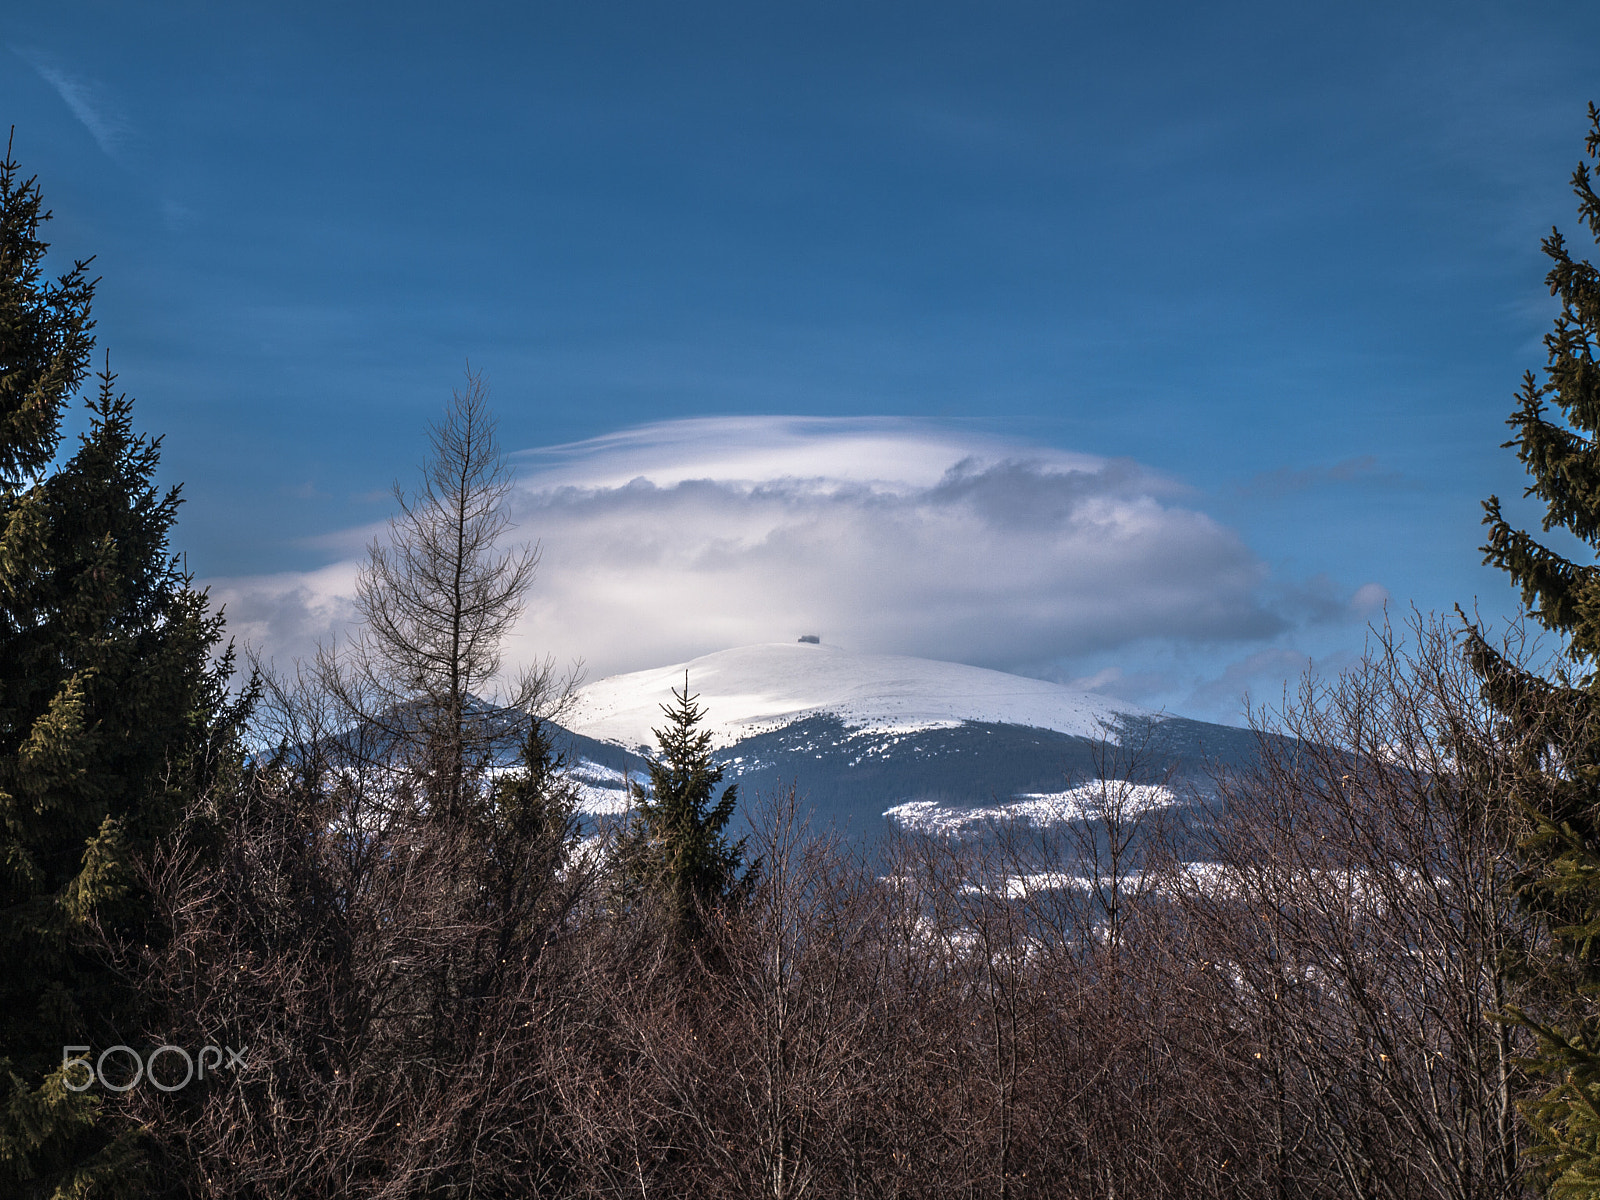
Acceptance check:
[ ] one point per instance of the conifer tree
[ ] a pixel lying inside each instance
(531, 831)
(44, 331)
(676, 847)
(107, 700)
(1553, 724)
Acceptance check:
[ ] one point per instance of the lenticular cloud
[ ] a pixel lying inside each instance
(678, 539)
(892, 537)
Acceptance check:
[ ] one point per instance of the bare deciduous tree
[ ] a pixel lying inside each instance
(1362, 915)
(438, 601)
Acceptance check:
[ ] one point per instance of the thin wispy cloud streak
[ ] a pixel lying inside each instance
(88, 100)
(676, 539)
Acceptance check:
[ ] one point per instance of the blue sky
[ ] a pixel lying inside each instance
(1221, 307)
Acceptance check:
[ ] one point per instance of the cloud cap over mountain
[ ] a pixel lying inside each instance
(672, 540)
(888, 536)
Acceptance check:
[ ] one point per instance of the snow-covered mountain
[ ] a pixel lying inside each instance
(868, 737)
(759, 689)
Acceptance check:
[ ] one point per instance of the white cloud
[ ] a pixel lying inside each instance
(284, 615)
(681, 538)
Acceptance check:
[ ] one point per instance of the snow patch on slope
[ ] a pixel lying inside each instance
(1041, 810)
(757, 689)
(602, 791)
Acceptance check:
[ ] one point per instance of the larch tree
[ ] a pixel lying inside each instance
(423, 686)
(439, 598)
(1552, 721)
(109, 702)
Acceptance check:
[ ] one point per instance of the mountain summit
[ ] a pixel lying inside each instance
(754, 690)
(869, 736)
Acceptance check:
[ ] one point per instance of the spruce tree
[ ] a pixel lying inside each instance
(108, 696)
(530, 831)
(1553, 723)
(45, 327)
(675, 847)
